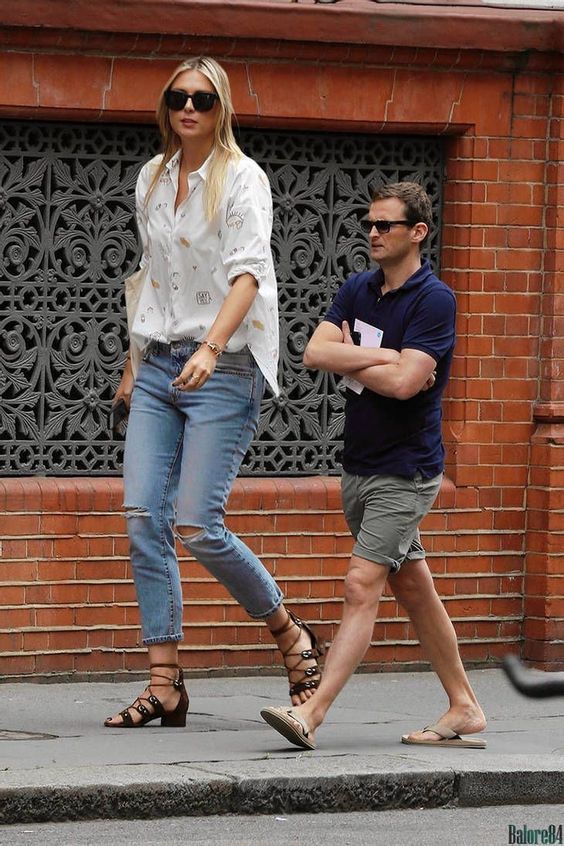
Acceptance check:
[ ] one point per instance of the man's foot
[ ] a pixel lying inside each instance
(290, 725)
(459, 719)
(447, 737)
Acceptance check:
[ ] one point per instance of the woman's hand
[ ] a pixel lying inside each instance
(125, 387)
(197, 370)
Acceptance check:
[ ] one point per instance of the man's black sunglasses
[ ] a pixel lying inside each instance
(382, 226)
(202, 101)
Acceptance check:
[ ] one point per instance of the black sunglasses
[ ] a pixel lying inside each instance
(202, 101)
(382, 226)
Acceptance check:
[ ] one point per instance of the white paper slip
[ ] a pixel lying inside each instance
(349, 382)
(370, 336)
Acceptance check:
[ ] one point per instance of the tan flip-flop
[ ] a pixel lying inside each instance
(448, 738)
(289, 724)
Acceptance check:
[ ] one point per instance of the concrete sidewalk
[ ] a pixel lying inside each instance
(58, 762)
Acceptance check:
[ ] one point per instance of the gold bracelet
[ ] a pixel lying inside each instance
(215, 348)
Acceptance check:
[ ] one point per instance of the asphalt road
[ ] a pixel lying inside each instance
(488, 826)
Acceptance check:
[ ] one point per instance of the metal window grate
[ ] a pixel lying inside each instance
(67, 238)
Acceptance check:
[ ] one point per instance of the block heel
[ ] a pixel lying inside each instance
(153, 709)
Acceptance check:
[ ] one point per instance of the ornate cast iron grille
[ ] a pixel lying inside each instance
(67, 238)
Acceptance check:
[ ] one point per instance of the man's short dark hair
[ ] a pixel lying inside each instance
(417, 203)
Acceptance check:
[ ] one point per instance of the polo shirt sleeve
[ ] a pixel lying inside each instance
(246, 224)
(431, 327)
(340, 308)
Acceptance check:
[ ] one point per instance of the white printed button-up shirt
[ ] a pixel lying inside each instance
(193, 260)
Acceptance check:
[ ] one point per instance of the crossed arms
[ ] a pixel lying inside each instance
(400, 375)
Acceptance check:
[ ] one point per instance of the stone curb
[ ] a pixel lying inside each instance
(279, 795)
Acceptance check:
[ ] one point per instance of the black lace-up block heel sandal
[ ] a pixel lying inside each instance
(310, 676)
(150, 707)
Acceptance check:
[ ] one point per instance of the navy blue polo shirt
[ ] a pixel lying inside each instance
(382, 434)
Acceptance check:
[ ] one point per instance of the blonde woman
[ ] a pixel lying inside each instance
(207, 323)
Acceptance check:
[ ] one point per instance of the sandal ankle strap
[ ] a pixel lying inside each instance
(176, 681)
(291, 620)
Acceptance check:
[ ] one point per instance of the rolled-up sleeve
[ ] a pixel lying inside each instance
(246, 226)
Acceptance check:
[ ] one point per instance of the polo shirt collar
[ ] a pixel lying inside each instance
(414, 280)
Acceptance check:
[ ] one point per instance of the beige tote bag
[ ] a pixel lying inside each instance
(133, 287)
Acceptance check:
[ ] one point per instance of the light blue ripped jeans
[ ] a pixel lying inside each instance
(182, 454)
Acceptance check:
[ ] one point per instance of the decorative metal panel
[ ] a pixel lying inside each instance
(68, 237)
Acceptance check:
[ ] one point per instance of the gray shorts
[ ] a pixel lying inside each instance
(384, 513)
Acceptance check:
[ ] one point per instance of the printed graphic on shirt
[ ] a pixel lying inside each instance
(234, 219)
(203, 298)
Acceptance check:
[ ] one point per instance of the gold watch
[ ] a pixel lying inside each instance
(215, 348)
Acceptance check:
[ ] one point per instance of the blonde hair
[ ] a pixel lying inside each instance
(224, 147)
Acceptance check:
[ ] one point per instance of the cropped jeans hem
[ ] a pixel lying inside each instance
(273, 610)
(150, 641)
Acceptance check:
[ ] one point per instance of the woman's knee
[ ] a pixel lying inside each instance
(191, 538)
(186, 533)
(140, 522)
(201, 541)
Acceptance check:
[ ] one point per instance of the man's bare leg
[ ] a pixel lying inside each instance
(414, 589)
(364, 584)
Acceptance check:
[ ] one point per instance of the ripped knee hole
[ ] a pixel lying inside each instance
(136, 511)
(188, 533)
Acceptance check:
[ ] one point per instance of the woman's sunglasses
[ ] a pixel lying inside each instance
(202, 101)
(382, 226)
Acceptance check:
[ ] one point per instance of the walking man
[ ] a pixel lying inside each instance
(390, 333)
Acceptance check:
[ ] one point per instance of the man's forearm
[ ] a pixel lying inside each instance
(394, 380)
(340, 358)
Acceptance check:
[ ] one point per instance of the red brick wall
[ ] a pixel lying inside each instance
(543, 627)
(495, 537)
(68, 598)
(68, 603)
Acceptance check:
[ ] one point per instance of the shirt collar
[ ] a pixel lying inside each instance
(415, 279)
(202, 171)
